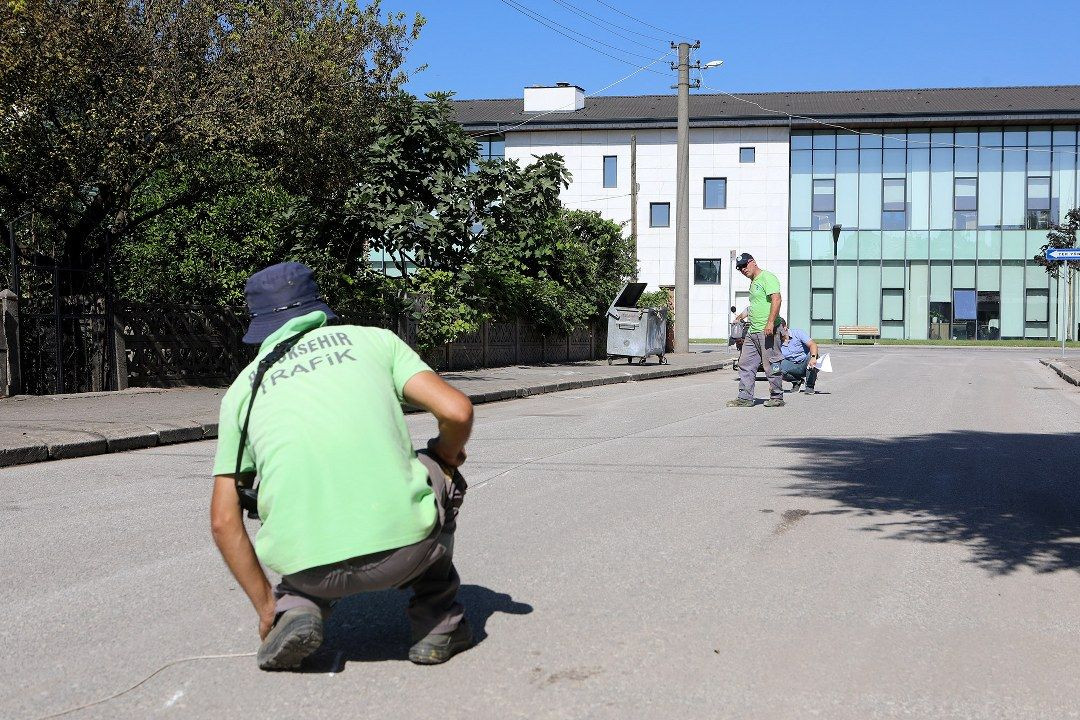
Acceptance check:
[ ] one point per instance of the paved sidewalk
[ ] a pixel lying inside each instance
(1068, 369)
(52, 427)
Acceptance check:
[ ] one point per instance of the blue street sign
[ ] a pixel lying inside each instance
(1055, 254)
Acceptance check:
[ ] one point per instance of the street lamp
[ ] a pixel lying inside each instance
(835, 241)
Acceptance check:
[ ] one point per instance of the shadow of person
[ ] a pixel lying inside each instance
(372, 627)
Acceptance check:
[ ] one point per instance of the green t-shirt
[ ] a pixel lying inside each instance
(337, 471)
(764, 285)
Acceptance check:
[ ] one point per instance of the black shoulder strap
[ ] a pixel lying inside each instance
(246, 491)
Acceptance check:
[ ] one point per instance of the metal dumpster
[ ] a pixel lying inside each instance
(633, 332)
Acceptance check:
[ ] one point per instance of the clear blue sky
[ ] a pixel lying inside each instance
(486, 49)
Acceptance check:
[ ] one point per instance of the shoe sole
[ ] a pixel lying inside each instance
(436, 656)
(301, 636)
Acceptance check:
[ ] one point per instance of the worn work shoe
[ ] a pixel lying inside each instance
(435, 649)
(739, 402)
(296, 634)
(775, 402)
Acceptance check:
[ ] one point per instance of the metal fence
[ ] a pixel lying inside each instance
(166, 347)
(62, 326)
(72, 336)
(512, 342)
(169, 346)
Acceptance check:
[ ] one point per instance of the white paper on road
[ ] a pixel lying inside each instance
(824, 364)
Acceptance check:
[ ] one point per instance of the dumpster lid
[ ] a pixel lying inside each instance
(629, 295)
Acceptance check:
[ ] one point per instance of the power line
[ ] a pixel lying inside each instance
(931, 143)
(597, 20)
(666, 32)
(609, 197)
(570, 106)
(554, 25)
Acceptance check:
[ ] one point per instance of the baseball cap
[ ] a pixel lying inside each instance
(743, 260)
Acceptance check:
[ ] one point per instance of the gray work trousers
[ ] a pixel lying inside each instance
(426, 566)
(755, 347)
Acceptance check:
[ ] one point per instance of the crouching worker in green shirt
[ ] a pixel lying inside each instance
(347, 505)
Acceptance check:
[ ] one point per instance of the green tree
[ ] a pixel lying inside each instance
(609, 249)
(202, 253)
(1065, 235)
(101, 98)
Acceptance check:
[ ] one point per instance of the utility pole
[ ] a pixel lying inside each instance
(633, 200)
(682, 201)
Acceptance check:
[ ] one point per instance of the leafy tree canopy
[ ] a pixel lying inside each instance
(98, 98)
(1065, 235)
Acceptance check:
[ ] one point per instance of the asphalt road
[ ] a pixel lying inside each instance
(904, 544)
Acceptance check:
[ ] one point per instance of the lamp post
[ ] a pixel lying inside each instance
(835, 241)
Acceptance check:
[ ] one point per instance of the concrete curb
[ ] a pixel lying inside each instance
(82, 443)
(1067, 374)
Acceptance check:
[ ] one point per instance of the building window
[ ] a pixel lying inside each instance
(965, 314)
(965, 203)
(823, 208)
(706, 271)
(747, 154)
(821, 303)
(611, 171)
(940, 321)
(1038, 302)
(892, 305)
(988, 315)
(893, 204)
(490, 147)
(1038, 203)
(659, 214)
(715, 193)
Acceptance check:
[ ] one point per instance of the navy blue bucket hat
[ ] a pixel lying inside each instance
(278, 294)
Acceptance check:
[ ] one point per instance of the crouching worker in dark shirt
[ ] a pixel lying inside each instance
(347, 506)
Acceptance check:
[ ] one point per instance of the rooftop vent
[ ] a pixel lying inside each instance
(561, 97)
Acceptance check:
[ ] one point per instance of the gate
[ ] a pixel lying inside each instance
(65, 343)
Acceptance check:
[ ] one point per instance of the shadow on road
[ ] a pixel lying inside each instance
(1013, 499)
(373, 626)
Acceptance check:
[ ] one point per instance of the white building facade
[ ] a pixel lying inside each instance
(942, 197)
(738, 202)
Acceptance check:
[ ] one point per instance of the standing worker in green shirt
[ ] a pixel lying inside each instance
(346, 504)
(761, 345)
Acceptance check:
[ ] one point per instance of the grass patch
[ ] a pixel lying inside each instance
(956, 343)
(944, 343)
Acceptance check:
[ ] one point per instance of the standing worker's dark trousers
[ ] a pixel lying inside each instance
(760, 349)
(426, 566)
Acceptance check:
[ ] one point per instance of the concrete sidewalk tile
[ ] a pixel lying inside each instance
(54, 427)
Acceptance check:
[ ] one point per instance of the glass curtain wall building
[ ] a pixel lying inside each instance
(939, 228)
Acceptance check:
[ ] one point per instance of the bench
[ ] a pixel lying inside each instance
(858, 331)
